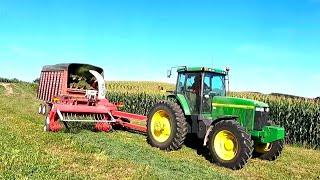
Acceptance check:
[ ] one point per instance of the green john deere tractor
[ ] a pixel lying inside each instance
(233, 129)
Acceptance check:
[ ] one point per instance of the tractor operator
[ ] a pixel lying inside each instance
(196, 86)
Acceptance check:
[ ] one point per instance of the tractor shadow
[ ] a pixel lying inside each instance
(193, 142)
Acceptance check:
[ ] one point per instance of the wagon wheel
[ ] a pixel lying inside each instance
(46, 127)
(44, 109)
(40, 109)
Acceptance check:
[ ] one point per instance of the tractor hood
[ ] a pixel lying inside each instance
(237, 102)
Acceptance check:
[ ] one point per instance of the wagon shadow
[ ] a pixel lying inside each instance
(76, 128)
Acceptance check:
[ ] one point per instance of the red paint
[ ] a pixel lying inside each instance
(101, 126)
(53, 89)
(135, 127)
(129, 115)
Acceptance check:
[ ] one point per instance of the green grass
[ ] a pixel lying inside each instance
(2, 89)
(26, 152)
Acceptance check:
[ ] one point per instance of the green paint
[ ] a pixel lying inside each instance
(244, 109)
(232, 106)
(184, 104)
(238, 101)
(201, 69)
(269, 134)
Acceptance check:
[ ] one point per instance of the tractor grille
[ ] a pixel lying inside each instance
(260, 120)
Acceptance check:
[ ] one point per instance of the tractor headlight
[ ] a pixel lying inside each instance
(261, 109)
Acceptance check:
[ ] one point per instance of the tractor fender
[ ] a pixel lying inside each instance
(181, 100)
(212, 124)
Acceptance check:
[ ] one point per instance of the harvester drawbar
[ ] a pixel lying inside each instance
(233, 129)
(62, 103)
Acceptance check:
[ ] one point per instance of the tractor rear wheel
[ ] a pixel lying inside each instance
(229, 144)
(166, 126)
(268, 151)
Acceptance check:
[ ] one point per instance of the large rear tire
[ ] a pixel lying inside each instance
(166, 126)
(268, 151)
(229, 144)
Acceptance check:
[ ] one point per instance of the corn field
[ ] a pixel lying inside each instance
(138, 86)
(299, 117)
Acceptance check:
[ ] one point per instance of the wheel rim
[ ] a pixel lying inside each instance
(160, 126)
(43, 110)
(46, 124)
(225, 145)
(40, 109)
(263, 148)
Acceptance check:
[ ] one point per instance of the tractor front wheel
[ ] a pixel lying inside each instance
(166, 126)
(268, 151)
(229, 144)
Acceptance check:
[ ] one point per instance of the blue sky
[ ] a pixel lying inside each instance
(270, 46)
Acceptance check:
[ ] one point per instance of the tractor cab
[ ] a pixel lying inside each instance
(199, 85)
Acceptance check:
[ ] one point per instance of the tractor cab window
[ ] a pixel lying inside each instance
(214, 84)
(193, 91)
(181, 83)
(218, 88)
(193, 83)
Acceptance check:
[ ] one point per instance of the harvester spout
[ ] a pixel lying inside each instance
(101, 84)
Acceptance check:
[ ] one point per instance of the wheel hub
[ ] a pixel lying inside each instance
(225, 145)
(160, 126)
(228, 145)
(263, 148)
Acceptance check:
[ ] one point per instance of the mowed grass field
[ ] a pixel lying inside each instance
(26, 152)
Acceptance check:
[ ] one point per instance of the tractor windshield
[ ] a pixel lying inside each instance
(214, 84)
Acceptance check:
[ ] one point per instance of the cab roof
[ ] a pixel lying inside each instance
(201, 69)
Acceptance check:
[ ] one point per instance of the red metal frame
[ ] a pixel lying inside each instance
(71, 105)
(53, 89)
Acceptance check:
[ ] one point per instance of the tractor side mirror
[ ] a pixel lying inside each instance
(169, 73)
